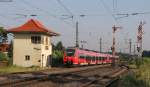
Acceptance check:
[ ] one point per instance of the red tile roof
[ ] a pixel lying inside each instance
(32, 26)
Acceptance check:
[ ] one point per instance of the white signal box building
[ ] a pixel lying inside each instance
(32, 44)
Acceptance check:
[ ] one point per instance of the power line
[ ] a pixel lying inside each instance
(8, 17)
(39, 9)
(108, 10)
(66, 16)
(123, 15)
(60, 2)
(114, 5)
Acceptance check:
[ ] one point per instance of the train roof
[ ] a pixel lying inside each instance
(82, 49)
(86, 50)
(99, 53)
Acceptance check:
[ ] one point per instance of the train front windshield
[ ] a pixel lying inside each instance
(70, 52)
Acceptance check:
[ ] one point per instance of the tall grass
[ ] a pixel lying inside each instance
(140, 77)
(11, 69)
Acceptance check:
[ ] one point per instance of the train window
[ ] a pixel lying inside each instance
(100, 58)
(70, 52)
(97, 58)
(93, 57)
(88, 57)
(81, 56)
(103, 58)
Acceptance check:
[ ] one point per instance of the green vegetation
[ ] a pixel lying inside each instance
(11, 69)
(57, 55)
(3, 35)
(139, 76)
(132, 81)
(10, 53)
(3, 57)
(57, 58)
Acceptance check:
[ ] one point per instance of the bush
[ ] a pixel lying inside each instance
(57, 58)
(133, 81)
(3, 57)
(140, 76)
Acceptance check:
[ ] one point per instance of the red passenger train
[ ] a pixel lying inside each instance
(77, 56)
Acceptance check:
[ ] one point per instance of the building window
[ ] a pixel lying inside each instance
(46, 47)
(36, 39)
(46, 41)
(27, 57)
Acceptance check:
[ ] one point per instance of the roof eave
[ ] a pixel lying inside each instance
(53, 34)
(47, 33)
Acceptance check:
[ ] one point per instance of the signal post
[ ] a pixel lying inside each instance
(139, 40)
(113, 48)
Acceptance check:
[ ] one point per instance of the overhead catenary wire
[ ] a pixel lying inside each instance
(60, 2)
(108, 10)
(10, 16)
(115, 6)
(71, 14)
(37, 8)
(47, 12)
(123, 15)
(66, 16)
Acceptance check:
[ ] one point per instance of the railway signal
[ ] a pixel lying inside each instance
(139, 38)
(130, 46)
(113, 48)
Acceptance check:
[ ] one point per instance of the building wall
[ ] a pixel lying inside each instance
(46, 51)
(23, 46)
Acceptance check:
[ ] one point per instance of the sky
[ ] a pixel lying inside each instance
(99, 18)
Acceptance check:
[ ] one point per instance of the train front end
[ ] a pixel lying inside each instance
(69, 56)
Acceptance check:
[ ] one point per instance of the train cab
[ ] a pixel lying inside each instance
(69, 56)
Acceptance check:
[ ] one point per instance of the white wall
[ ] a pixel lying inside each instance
(45, 52)
(23, 46)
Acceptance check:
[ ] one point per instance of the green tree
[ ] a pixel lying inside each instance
(57, 55)
(59, 46)
(3, 35)
(10, 53)
(53, 47)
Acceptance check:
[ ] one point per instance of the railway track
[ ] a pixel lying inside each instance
(101, 77)
(106, 79)
(82, 77)
(19, 78)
